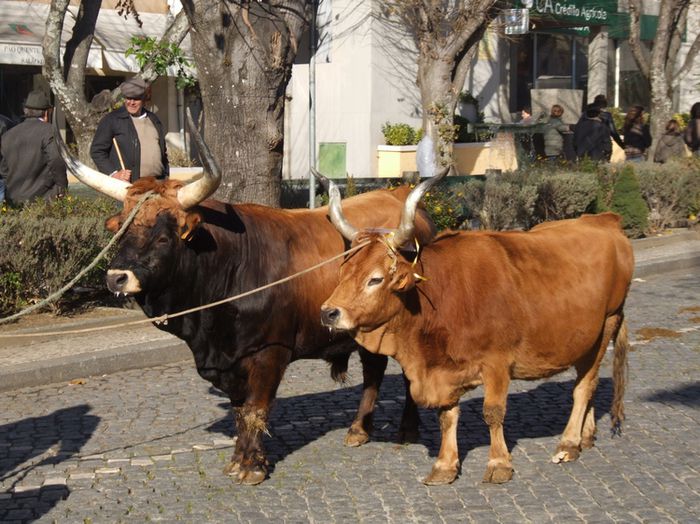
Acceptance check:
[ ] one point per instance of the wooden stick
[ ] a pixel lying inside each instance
(119, 153)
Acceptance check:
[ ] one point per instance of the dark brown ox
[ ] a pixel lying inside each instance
(487, 307)
(182, 251)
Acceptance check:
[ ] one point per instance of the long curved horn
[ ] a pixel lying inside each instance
(193, 193)
(335, 212)
(112, 187)
(408, 216)
(321, 178)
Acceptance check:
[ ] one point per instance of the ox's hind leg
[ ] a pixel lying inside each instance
(373, 368)
(580, 430)
(496, 382)
(447, 464)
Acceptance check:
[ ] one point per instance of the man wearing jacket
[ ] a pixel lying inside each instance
(140, 140)
(31, 166)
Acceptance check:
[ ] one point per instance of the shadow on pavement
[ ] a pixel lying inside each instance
(35, 442)
(540, 412)
(688, 395)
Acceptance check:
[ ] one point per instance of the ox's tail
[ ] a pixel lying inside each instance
(620, 368)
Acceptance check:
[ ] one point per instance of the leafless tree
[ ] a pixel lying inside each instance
(446, 34)
(660, 66)
(68, 83)
(244, 51)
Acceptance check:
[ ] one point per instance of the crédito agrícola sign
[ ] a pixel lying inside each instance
(591, 12)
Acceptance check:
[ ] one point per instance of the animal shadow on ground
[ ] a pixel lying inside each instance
(35, 442)
(688, 395)
(297, 421)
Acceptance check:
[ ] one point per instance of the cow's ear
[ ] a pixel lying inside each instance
(191, 222)
(404, 280)
(113, 223)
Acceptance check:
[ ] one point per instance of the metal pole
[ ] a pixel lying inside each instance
(312, 107)
(617, 73)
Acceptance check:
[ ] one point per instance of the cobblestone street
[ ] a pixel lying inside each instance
(151, 444)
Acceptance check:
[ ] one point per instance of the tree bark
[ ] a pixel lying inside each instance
(244, 51)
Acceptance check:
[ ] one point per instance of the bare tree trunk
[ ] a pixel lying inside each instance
(244, 53)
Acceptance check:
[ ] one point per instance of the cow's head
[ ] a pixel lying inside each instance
(149, 249)
(374, 279)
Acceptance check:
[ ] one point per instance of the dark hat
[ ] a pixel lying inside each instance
(37, 99)
(592, 110)
(133, 88)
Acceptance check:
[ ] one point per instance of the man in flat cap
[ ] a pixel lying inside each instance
(31, 166)
(130, 142)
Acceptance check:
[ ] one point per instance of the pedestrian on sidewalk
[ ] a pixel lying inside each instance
(140, 149)
(692, 132)
(592, 136)
(637, 135)
(31, 167)
(671, 144)
(554, 131)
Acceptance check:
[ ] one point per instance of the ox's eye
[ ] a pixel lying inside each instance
(163, 239)
(375, 281)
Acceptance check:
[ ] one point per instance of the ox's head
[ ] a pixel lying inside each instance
(150, 247)
(374, 279)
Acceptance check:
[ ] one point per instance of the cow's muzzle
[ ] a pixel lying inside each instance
(121, 281)
(330, 316)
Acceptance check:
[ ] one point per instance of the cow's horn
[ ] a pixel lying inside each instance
(335, 212)
(112, 187)
(192, 194)
(320, 177)
(408, 216)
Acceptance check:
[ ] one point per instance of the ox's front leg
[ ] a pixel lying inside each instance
(447, 464)
(373, 368)
(264, 372)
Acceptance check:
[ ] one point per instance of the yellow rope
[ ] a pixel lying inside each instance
(166, 317)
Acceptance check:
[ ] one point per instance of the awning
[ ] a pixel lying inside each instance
(22, 30)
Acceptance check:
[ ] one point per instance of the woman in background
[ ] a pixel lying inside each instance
(692, 132)
(637, 135)
(671, 144)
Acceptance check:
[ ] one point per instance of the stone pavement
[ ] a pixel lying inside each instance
(149, 444)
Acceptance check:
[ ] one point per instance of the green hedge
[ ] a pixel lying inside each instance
(43, 246)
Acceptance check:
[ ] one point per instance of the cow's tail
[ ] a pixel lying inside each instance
(620, 368)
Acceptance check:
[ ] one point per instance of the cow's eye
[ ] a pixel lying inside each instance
(375, 280)
(163, 239)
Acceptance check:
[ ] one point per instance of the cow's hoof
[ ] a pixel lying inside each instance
(587, 442)
(356, 438)
(232, 468)
(440, 477)
(251, 477)
(498, 474)
(408, 436)
(566, 453)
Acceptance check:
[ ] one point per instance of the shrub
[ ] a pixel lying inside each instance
(628, 202)
(43, 246)
(671, 191)
(401, 134)
(565, 195)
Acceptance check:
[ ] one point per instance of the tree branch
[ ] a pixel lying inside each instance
(635, 8)
(174, 34)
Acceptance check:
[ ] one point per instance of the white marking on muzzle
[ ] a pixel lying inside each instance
(130, 285)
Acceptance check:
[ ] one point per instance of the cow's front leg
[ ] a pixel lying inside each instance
(264, 372)
(446, 466)
(496, 382)
(410, 420)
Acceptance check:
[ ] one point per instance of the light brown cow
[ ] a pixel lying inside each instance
(487, 307)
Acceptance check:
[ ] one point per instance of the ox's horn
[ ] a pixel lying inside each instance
(112, 187)
(321, 178)
(408, 216)
(192, 194)
(335, 212)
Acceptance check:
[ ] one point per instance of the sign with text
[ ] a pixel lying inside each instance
(582, 12)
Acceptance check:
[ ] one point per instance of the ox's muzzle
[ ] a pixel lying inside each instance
(330, 316)
(121, 281)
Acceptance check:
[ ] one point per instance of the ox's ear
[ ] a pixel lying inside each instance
(189, 224)
(113, 223)
(403, 280)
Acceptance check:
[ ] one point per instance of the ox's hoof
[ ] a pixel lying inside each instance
(566, 454)
(251, 477)
(498, 473)
(440, 477)
(232, 468)
(408, 436)
(356, 438)
(587, 442)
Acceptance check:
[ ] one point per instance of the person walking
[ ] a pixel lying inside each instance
(692, 132)
(554, 131)
(606, 117)
(130, 142)
(592, 136)
(31, 167)
(637, 135)
(671, 144)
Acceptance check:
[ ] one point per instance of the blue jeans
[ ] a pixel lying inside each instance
(2, 191)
